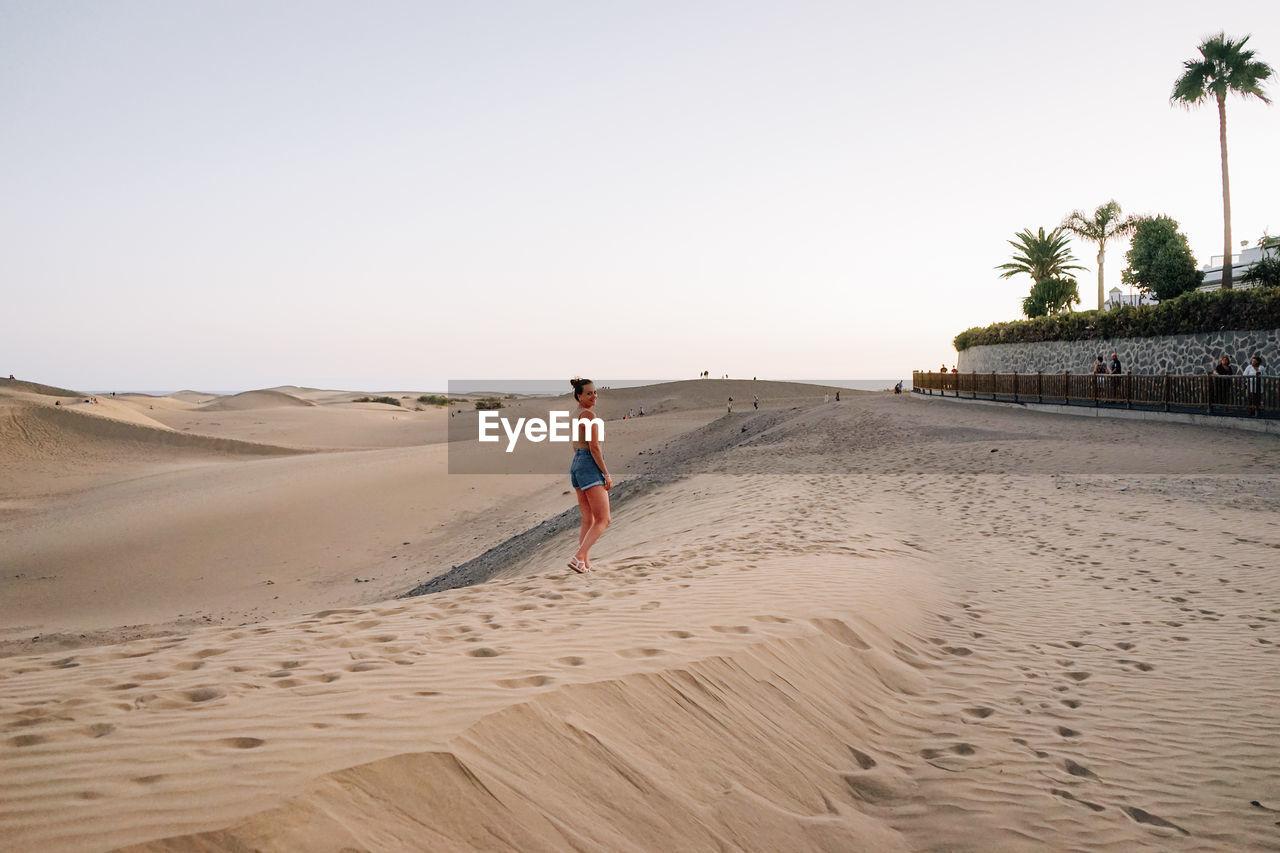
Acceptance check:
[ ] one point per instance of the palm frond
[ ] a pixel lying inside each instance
(1224, 66)
(1040, 255)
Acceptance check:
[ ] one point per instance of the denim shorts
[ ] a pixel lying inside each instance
(584, 473)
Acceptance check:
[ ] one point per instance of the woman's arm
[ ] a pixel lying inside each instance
(598, 456)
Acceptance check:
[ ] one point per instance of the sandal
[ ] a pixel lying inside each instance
(578, 565)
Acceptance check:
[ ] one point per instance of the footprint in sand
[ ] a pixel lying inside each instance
(957, 749)
(679, 635)
(1066, 732)
(572, 660)
(484, 652)
(731, 629)
(980, 713)
(866, 762)
(204, 694)
(529, 681)
(1067, 795)
(243, 742)
(641, 653)
(1078, 770)
(1138, 665)
(1143, 816)
(362, 667)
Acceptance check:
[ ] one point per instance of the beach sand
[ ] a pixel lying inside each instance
(889, 623)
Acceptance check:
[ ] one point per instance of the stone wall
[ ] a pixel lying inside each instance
(1177, 354)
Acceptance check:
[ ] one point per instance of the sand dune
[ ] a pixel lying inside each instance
(255, 400)
(150, 402)
(886, 624)
(24, 387)
(48, 451)
(602, 687)
(197, 397)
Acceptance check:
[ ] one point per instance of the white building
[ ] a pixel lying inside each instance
(1115, 299)
(1240, 264)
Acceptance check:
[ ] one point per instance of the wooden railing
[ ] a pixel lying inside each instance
(1236, 396)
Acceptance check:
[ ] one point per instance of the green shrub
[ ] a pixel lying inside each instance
(1265, 272)
(1160, 259)
(1198, 311)
(488, 403)
(390, 401)
(1051, 296)
(434, 399)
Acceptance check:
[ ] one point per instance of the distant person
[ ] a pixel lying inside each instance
(943, 369)
(837, 396)
(826, 398)
(1221, 388)
(1099, 368)
(589, 477)
(897, 389)
(1115, 364)
(755, 401)
(953, 369)
(730, 404)
(1254, 371)
(642, 411)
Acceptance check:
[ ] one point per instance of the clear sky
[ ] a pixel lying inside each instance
(231, 195)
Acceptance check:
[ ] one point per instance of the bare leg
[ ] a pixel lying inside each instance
(585, 507)
(598, 501)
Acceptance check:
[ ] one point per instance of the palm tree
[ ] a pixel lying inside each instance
(1104, 226)
(1041, 256)
(1224, 66)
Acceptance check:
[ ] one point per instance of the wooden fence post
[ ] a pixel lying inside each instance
(1039, 388)
(1167, 383)
(993, 385)
(1066, 387)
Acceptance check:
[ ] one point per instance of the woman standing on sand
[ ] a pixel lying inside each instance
(589, 476)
